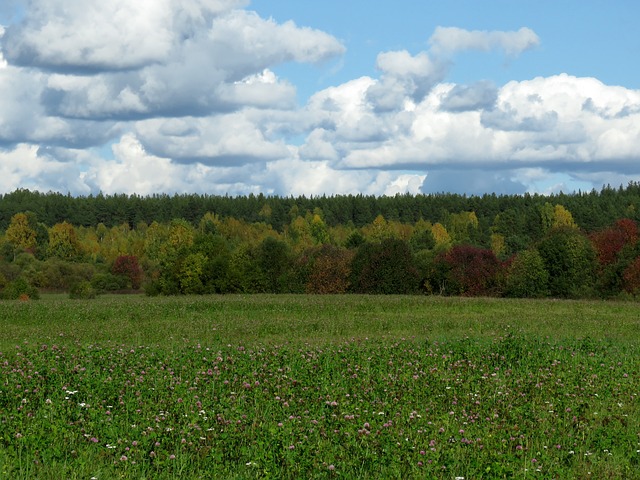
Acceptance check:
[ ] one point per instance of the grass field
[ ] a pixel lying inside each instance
(318, 387)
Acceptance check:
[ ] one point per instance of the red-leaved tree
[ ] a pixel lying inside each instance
(128, 266)
(609, 242)
(472, 271)
(631, 277)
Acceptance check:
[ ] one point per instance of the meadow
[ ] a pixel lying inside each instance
(350, 386)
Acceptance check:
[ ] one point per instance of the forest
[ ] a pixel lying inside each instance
(581, 245)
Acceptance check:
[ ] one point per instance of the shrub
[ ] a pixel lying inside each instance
(18, 287)
(107, 282)
(82, 291)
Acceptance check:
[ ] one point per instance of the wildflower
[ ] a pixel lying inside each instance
(123, 458)
(172, 457)
(331, 467)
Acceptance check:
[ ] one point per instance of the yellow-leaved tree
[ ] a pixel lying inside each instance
(21, 232)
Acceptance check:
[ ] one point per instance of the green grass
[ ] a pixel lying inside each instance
(318, 387)
(219, 320)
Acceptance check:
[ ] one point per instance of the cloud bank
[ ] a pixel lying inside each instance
(181, 96)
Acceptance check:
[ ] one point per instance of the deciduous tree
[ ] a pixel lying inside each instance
(527, 276)
(570, 260)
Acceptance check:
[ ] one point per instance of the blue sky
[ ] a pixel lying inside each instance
(297, 97)
(581, 38)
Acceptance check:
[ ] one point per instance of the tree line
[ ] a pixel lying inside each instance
(566, 246)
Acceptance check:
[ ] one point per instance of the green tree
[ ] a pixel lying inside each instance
(191, 273)
(63, 242)
(570, 260)
(274, 261)
(462, 227)
(378, 230)
(422, 237)
(319, 230)
(527, 276)
(387, 267)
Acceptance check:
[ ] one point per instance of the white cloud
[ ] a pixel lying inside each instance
(133, 170)
(72, 35)
(447, 40)
(479, 138)
(404, 75)
(186, 93)
(407, 183)
(220, 66)
(231, 140)
(27, 166)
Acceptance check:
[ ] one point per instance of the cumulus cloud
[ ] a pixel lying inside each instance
(29, 166)
(86, 36)
(479, 96)
(222, 66)
(447, 40)
(231, 140)
(185, 94)
(479, 137)
(404, 75)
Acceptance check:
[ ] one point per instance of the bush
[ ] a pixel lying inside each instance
(57, 274)
(82, 291)
(107, 282)
(20, 287)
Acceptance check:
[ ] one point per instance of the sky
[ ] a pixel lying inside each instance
(293, 97)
